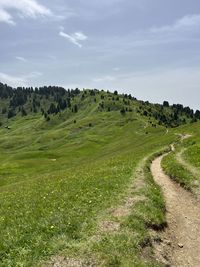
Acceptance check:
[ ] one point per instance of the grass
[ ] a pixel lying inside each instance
(183, 164)
(59, 178)
(177, 171)
(125, 247)
(192, 155)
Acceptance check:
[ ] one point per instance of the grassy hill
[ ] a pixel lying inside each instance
(75, 185)
(50, 101)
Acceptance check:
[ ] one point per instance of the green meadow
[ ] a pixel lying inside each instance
(60, 178)
(64, 178)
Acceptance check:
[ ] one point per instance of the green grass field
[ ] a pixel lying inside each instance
(59, 179)
(183, 165)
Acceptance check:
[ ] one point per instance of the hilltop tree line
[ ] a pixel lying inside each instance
(51, 100)
(169, 115)
(47, 100)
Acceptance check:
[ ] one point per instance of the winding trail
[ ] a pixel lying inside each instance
(183, 218)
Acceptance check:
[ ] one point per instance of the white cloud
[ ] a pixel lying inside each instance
(22, 59)
(79, 36)
(74, 38)
(21, 80)
(6, 17)
(181, 31)
(25, 8)
(186, 22)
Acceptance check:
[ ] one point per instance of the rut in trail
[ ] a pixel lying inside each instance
(183, 218)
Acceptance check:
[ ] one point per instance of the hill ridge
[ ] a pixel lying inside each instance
(54, 100)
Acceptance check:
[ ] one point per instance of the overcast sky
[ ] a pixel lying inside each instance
(149, 48)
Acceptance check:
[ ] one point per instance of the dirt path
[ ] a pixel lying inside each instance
(183, 217)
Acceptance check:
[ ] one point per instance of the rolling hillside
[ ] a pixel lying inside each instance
(50, 101)
(75, 182)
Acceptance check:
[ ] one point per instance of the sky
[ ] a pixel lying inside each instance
(148, 48)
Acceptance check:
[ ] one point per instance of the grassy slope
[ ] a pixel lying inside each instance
(58, 178)
(177, 171)
(185, 174)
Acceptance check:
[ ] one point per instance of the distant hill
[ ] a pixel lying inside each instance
(52, 101)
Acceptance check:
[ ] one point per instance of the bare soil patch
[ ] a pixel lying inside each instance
(109, 226)
(60, 261)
